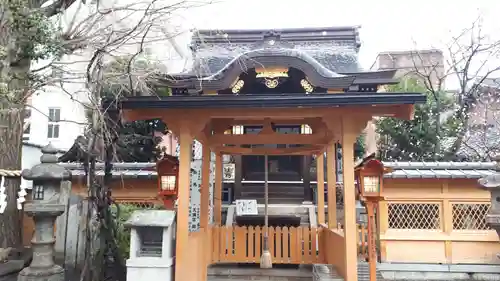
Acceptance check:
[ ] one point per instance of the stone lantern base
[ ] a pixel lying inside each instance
(42, 267)
(53, 273)
(493, 221)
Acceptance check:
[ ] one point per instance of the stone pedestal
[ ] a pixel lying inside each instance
(43, 267)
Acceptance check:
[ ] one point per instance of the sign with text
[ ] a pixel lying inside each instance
(228, 172)
(246, 207)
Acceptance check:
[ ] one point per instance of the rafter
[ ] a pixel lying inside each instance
(268, 138)
(306, 150)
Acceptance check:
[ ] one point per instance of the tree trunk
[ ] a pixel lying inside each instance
(14, 83)
(11, 130)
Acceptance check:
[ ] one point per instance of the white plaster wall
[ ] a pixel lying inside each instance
(69, 89)
(72, 116)
(30, 157)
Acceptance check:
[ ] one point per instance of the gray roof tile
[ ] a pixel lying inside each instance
(423, 170)
(335, 48)
(437, 170)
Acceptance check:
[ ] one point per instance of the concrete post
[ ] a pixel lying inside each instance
(44, 209)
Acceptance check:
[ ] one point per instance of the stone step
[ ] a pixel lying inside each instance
(253, 272)
(272, 187)
(325, 272)
(288, 193)
(364, 272)
(279, 200)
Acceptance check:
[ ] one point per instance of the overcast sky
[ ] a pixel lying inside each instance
(385, 24)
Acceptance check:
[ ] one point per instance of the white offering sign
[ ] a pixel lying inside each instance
(246, 207)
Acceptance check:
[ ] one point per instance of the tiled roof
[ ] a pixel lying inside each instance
(334, 48)
(426, 170)
(120, 170)
(433, 170)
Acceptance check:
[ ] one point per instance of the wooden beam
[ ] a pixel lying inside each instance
(182, 261)
(308, 150)
(273, 138)
(205, 186)
(252, 122)
(219, 125)
(331, 174)
(218, 190)
(260, 113)
(320, 187)
(349, 134)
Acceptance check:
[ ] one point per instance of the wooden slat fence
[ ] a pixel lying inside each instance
(288, 245)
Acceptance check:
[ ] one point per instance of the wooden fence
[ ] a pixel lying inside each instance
(288, 245)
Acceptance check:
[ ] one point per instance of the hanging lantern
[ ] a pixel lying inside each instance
(168, 179)
(369, 176)
(238, 130)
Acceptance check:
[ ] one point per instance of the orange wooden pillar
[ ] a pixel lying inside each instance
(218, 190)
(331, 173)
(350, 230)
(320, 187)
(182, 267)
(205, 187)
(204, 212)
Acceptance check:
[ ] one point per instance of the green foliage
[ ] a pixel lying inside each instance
(359, 146)
(35, 35)
(122, 213)
(137, 142)
(418, 139)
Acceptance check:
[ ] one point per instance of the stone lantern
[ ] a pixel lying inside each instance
(44, 208)
(492, 184)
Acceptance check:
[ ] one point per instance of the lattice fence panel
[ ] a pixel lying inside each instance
(145, 205)
(414, 215)
(470, 216)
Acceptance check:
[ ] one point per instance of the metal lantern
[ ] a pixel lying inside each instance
(168, 178)
(369, 176)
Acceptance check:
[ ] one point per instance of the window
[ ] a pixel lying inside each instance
(226, 195)
(470, 216)
(38, 192)
(27, 123)
(414, 216)
(53, 126)
(151, 241)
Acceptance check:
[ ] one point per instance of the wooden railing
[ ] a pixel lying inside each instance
(288, 245)
(332, 241)
(362, 241)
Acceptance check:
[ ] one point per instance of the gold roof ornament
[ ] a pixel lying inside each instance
(306, 86)
(272, 83)
(237, 86)
(272, 74)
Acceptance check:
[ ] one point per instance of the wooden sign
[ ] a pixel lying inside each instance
(246, 207)
(228, 172)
